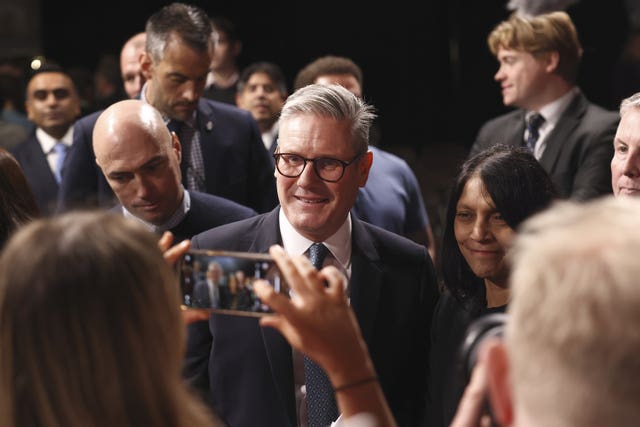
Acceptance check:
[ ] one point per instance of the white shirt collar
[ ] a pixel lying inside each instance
(47, 141)
(339, 244)
(268, 136)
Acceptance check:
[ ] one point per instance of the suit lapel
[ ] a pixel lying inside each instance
(561, 134)
(366, 279)
(277, 349)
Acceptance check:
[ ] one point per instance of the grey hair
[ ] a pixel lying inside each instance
(630, 103)
(336, 102)
(188, 23)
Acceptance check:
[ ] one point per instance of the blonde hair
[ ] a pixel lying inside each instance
(90, 328)
(538, 34)
(573, 334)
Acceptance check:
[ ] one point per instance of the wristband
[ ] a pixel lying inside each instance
(356, 383)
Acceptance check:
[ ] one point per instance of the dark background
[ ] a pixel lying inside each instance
(426, 65)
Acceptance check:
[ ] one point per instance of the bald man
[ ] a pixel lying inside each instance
(130, 67)
(140, 159)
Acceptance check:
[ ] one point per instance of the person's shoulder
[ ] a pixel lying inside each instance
(88, 120)
(221, 205)
(26, 145)
(226, 236)
(502, 119)
(388, 158)
(599, 115)
(392, 246)
(218, 108)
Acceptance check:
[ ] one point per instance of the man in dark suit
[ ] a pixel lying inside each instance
(222, 149)
(570, 136)
(52, 105)
(140, 159)
(321, 161)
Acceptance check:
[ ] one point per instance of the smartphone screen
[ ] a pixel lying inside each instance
(222, 281)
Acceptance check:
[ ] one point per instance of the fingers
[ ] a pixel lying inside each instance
(277, 302)
(470, 409)
(174, 253)
(165, 241)
(194, 315)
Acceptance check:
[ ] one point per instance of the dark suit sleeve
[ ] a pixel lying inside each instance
(593, 173)
(262, 168)
(79, 185)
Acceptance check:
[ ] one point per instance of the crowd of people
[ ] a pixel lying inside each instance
(96, 210)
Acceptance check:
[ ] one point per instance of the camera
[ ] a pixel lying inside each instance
(479, 330)
(489, 325)
(222, 281)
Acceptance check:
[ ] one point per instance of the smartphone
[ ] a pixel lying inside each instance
(222, 281)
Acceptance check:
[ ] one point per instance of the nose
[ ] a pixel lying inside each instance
(190, 92)
(480, 230)
(631, 166)
(143, 187)
(308, 176)
(499, 75)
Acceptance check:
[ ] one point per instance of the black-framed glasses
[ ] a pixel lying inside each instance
(327, 168)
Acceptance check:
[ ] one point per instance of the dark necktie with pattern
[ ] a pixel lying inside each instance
(321, 404)
(533, 128)
(191, 154)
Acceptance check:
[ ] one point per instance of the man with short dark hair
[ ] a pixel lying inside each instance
(53, 106)
(221, 145)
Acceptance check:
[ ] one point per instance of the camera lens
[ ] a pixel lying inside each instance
(490, 325)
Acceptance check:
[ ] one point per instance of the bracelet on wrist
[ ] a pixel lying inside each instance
(358, 383)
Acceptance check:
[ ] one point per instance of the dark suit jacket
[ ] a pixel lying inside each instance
(247, 370)
(237, 166)
(578, 152)
(207, 211)
(38, 173)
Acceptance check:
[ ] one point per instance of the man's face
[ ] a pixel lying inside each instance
(625, 164)
(131, 71)
(177, 81)
(347, 81)
(52, 103)
(314, 207)
(225, 53)
(262, 98)
(143, 173)
(522, 77)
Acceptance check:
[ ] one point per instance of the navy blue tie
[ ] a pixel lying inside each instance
(321, 404)
(533, 127)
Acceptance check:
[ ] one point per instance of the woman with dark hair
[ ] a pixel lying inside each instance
(17, 202)
(494, 192)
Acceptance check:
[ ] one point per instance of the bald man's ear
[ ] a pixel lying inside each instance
(177, 147)
(146, 65)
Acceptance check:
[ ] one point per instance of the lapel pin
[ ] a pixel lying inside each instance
(209, 125)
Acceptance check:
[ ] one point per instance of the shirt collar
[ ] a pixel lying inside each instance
(175, 219)
(339, 244)
(47, 141)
